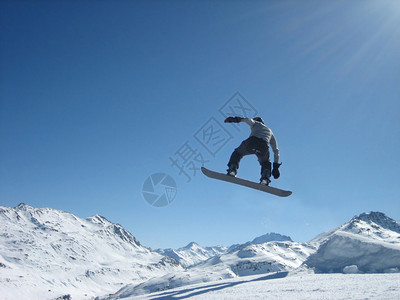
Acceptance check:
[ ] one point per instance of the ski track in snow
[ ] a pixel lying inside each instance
(290, 286)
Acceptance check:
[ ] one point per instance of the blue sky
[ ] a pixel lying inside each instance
(97, 96)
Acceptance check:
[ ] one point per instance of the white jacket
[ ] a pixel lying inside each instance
(261, 131)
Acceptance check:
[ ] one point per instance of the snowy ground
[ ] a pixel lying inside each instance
(291, 286)
(46, 253)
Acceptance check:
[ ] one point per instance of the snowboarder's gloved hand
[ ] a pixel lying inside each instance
(275, 170)
(233, 119)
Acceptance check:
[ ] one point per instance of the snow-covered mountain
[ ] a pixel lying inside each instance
(368, 243)
(45, 253)
(192, 254)
(268, 237)
(271, 237)
(261, 258)
(243, 260)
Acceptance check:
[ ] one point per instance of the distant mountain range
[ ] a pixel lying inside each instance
(193, 253)
(47, 253)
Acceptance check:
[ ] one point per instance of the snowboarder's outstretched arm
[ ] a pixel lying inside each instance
(275, 149)
(233, 120)
(248, 121)
(276, 165)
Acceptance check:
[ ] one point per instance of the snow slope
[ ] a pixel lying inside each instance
(247, 260)
(369, 243)
(297, 285)
(366, 244)
(45, 253)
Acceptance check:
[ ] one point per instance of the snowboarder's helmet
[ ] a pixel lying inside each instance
(258, 119)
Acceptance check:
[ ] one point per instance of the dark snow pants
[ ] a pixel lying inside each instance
(253, 145)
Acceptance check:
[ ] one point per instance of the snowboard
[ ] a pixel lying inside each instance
(247, 183)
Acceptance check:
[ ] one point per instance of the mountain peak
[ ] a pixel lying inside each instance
(191, 245)
(71, 253)
(113, 228)
(376, 218)
(97, 219)
(369, 242)
(373, 216)
(271, 237)
(23, 206)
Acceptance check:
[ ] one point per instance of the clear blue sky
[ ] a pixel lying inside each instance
(95, 96)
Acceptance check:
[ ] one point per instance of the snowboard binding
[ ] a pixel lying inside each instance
(265, 181)
(232, 170)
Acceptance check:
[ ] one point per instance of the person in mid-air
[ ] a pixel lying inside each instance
(258, 143)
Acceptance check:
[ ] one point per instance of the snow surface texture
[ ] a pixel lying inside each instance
(297, 285)
(46, 253)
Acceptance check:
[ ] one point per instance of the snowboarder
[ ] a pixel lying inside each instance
(258, 143)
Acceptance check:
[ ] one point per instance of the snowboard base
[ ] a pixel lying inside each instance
(247, 183)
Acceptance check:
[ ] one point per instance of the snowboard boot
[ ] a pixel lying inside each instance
(265, 173)
(265, 181)
(232, 170)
